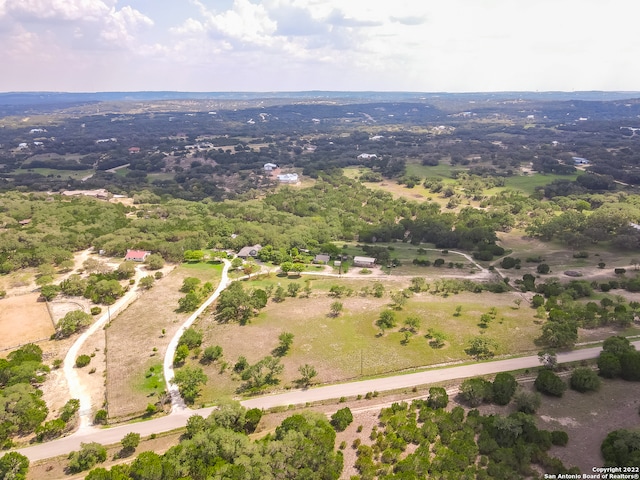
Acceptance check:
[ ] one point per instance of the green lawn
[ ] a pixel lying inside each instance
(528, 183)
(153, 381)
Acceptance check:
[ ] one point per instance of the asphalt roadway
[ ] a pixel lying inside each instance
(178, 417)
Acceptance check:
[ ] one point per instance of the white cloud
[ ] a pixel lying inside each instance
(321, 44)
(68, 10)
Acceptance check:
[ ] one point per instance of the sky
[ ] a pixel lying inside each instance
(300, 45)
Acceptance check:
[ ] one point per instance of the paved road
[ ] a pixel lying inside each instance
(179, 417)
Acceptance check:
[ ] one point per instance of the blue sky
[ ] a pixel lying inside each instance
(280, 45)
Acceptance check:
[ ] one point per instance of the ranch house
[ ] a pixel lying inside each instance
(137, 255)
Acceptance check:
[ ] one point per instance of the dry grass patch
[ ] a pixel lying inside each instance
(133, 335)
(23, 319)
(348, 346)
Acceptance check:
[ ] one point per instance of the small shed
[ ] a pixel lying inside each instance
(322, 258)
(365, 262)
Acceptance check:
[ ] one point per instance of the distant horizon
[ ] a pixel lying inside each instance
(447, 92)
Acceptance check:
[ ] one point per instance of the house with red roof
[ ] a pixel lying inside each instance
(137, 255)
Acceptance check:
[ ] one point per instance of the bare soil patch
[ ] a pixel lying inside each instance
(588, 418)
(23, 319)
(131, 338)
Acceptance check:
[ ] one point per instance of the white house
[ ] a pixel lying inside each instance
(580, 161)
(367, 156)
(269, 167)
(288, 178)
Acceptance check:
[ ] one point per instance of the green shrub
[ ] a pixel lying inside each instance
(559, 438)
(83, 361)
(96, 311)
(341, 419)
(504, 386)
(88, 455)
(100, 418)
(549, 383)
(584, 380)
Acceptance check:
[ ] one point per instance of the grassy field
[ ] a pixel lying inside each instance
(526, 184)
(75, 174)
(348, 346)
(135, 341)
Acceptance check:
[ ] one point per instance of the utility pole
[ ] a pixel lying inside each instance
(361, 354)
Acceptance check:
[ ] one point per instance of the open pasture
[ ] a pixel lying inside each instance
(23, 319)
(348, 346)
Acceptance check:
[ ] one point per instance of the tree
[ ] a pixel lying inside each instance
(584, 380)
(211, 354)
(189, 380)
(386, 320)
(129, 443)
(154, 262)
(193, 256)
(100, 418)
(126, 270)
(189, 303)
(475, 391)
(548, 359)
(286, 340)
(412, 323)
(438, 398)
(89, 455)
(262, 373)
(92, 265)
(147, 466)
(621, 448)
(182, 352)
(559, 334)
(398, 300)
(234, 305)
(336, 308)
(71, 323)
(458, 311)
(190, 284)
(609, 365)
(279, 294)
(630, 366)
(286, 267)
(49, 292)
(543, 268)
(549, 383)
(504, 386)
(417, 284)
(191, 338)
(293, 288)
(146, 282)
(13, 466)
(378, 290)
(481, 348)
(485, 318)
(307, 373)
(341, 419)
(527, 402)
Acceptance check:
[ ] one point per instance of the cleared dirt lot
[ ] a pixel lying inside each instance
(23, 320)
